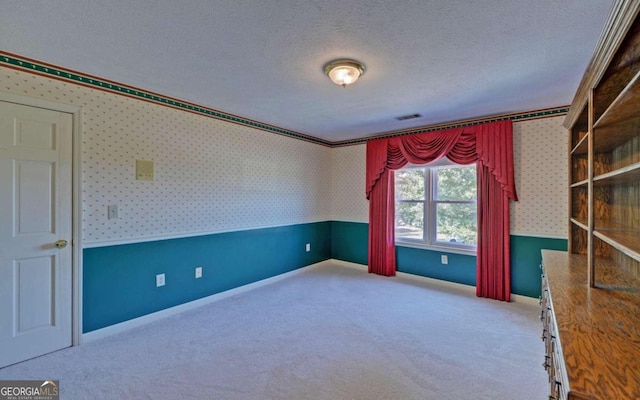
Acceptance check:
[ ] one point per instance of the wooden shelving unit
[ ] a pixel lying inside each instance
(604, 161)
(603, 125)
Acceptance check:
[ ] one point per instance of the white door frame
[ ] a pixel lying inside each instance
(76, 213)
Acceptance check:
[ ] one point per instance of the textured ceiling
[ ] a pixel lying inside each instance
(446, 60)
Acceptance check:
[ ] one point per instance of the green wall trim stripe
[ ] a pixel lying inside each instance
(16, 62)
(550, 112)
(22, 63)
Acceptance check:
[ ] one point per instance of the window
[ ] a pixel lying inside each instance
(436, 206)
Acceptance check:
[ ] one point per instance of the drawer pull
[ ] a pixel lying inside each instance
(558, 385)
(545, 364)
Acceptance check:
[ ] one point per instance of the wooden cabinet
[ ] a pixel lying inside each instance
(591, 335)
(591, 294)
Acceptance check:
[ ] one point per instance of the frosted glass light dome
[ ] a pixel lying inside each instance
(344, 72)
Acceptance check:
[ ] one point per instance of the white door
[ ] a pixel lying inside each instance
(35, 226)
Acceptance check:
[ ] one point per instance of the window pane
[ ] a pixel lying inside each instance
(456, 223)
(409, 220)
(410, 184)
(455, 183)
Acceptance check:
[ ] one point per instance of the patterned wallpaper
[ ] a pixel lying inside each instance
(348, 201)
(540, 156)
(540, 151)
(210, 175)
(213, 176)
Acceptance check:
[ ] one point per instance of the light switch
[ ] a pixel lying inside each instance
(112, 212)
(144, 170)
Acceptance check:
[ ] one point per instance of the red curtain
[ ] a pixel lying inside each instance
(491, 146)
(382, 261)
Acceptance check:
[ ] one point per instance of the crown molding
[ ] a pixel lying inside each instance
(621, 17)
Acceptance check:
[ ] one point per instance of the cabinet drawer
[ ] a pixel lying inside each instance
(560, 387)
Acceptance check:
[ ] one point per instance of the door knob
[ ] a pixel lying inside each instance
(61, 244)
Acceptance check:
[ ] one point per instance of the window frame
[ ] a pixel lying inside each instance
(429, 206)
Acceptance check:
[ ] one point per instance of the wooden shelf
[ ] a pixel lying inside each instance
(621, 121)
(582, 147)
(597, 327)
(625, 240)
(607, 226)
(595, 291)
(580, 223)
(628, 174)
(580, 183)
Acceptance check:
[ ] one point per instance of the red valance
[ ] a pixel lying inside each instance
(491, 146)
(490, 143)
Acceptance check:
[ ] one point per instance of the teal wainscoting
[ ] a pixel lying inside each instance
(119, 281)
(525, 262)
(460, 269)
(350, 242)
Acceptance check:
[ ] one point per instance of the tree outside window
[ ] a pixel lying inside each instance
(436, 205)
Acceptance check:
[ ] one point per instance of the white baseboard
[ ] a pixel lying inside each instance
(145, 319)
(515, 298)
(404, 275)
(349, 264)
(518, 298)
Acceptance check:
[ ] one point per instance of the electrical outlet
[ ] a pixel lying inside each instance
(198, 272)
(308, 247)
(159, 280)
(444, 259)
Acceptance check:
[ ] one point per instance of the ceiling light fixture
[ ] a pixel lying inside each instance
(344, 72)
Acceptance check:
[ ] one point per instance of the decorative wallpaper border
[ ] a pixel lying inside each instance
(15, 61)
(40, 68)
(522, 116)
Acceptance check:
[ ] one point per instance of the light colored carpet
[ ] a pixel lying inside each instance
(328, 333)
